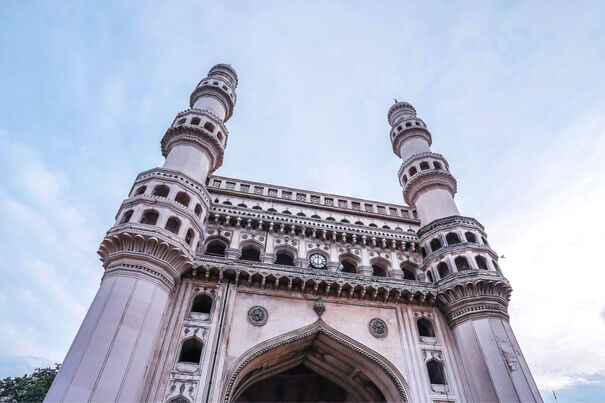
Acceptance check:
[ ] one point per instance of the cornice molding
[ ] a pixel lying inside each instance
(198, 136)
(427, 179)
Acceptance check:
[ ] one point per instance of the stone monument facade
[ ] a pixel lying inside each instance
(218, 289)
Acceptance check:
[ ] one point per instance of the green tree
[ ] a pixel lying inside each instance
(28, 388)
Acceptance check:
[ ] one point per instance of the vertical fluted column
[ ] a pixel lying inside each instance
(144, 254)
(473, 297)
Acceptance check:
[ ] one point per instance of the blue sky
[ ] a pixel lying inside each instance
(513, 93)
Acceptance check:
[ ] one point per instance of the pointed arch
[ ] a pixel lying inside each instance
(250, 366)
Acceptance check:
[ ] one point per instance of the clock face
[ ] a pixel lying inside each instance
(317, 260)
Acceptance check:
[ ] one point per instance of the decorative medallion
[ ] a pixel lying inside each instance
(319, 307)
(257, 315)
(378, 328)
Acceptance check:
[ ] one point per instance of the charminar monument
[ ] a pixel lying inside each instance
(217, 289)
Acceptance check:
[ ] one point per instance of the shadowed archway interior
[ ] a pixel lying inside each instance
(315, 365)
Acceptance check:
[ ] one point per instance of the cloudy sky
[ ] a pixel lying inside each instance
(513, 93)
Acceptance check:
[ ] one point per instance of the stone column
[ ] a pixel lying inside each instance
(111, 352)
(492, 359)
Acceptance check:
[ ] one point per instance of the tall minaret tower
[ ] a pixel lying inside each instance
(473, 295)
(152, 242)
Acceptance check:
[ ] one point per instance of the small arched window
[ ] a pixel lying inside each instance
(182, 198)
(470, 237)
(405, 179)
(181, 121)
(436, 373)
(425, 328)
(209, 126)
(189, 236)
(435, 244)
(408, 274)
(452, 238)
(386, 227)
(195, 121)
(250, 253)
(242, 205)
(348, 266)
(257, 208)
(373, 225)
(202, 303)
(191, 351)
(173, 225)
(316, 216)
(413, 171)
(161, 191)
(198, 210)
(496, 266)
(437, 165)
(481, 262)
(272, 210)
(284, 258)
(301, 214)
(140, 190)
(227, 203)
(330, 219)
(345, 221)
(424, 166)
(150, 217)
(358, 223)
(220, 136)
(461, 263)
(286, 212)
(216, 248)
(443, 270)
(126, 217)
(379, 270)
(484, 241)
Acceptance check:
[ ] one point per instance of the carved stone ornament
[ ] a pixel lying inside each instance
(319, 307)
(378, 328)
(257, 315)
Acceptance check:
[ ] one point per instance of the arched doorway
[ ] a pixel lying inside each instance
(315, 363)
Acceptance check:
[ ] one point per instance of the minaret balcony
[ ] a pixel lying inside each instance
(473, 294)
(421, 162)
(216, 87)
(426, 179)
(213, 143)
(146, 249)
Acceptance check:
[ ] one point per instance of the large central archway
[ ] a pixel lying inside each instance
(315, 363)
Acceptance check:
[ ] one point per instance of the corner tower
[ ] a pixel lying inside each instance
(472, 293)
(144, 254)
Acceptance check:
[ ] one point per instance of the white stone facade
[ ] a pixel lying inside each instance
(218, 289)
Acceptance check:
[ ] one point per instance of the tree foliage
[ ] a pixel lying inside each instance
(28, 388)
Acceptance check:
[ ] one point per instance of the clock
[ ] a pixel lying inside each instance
(317, 261)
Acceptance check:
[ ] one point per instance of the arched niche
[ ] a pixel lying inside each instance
(318, 353)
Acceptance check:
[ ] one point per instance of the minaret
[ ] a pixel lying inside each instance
(472, 293)
(151, 244)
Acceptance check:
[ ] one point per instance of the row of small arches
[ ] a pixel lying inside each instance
(462, 264)
(315, 216)
(424, 166)
(163, 191)
(151, 216)
(196, 121)
(451, 238)
(286, 257)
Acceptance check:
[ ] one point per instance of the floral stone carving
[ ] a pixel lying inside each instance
(257, 315)
(378, 328)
